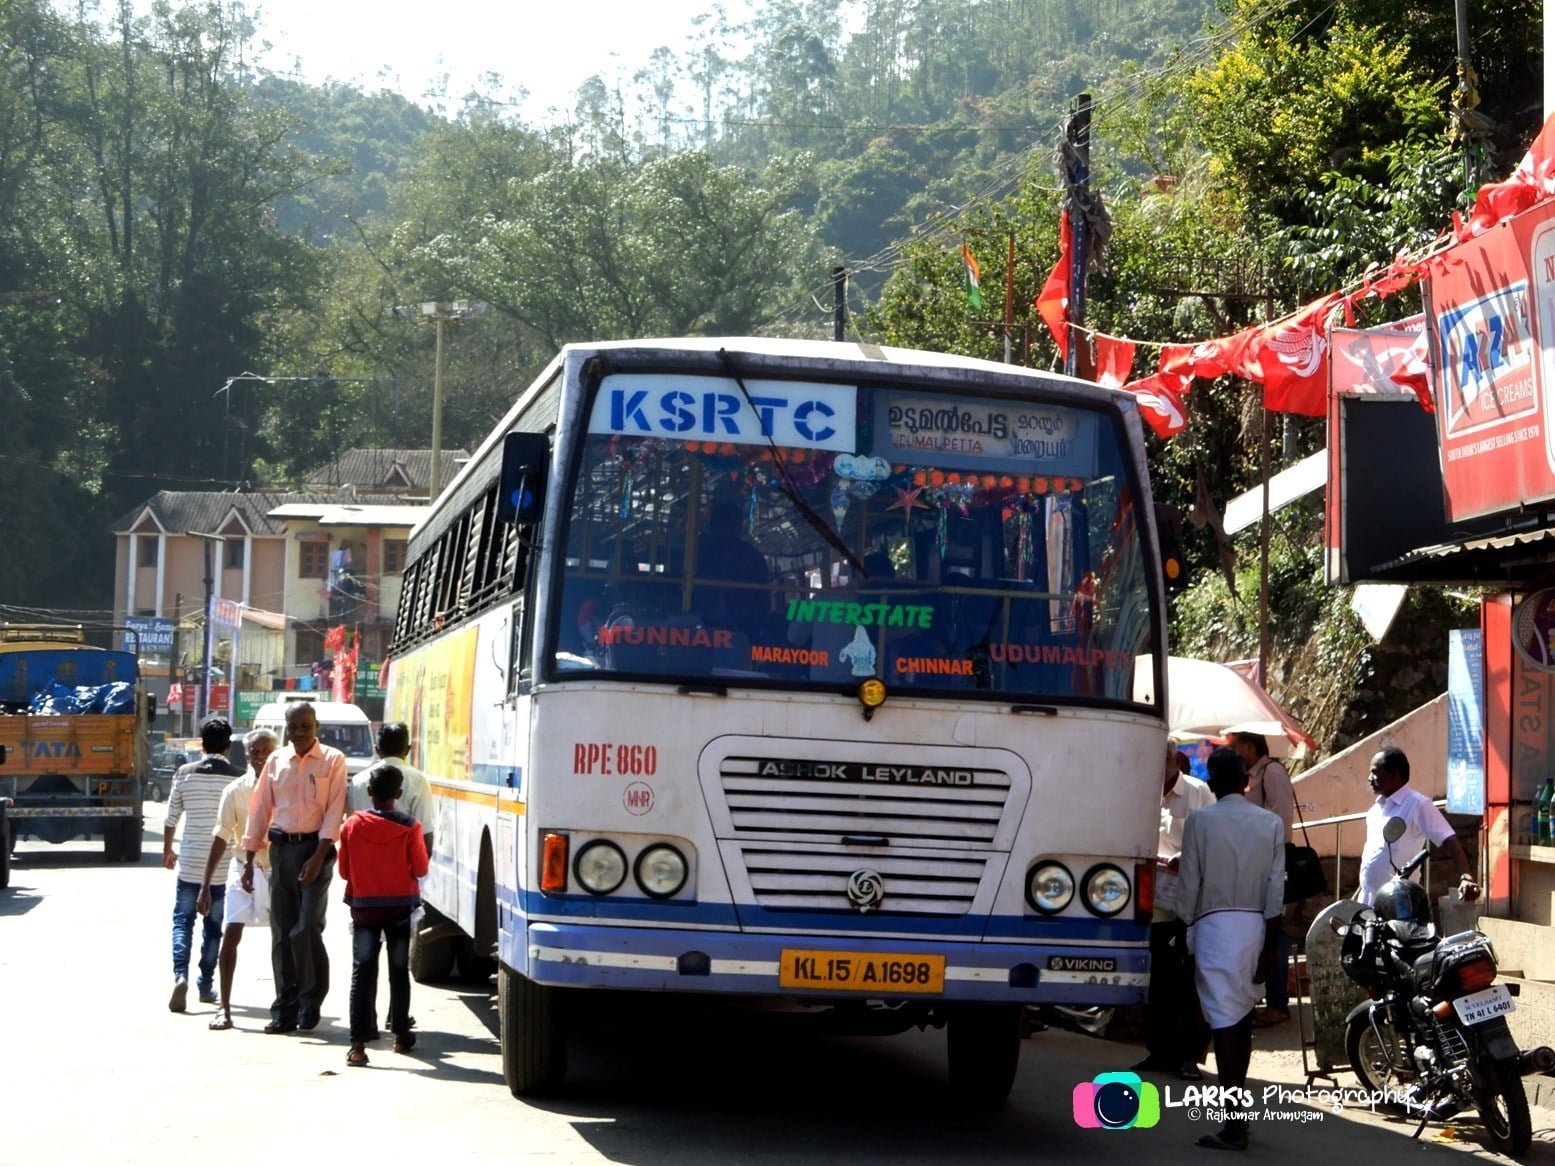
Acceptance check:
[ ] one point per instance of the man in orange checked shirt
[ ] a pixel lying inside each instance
(296, 811)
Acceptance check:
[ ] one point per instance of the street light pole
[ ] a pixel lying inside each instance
(436, 483)
(441, 314)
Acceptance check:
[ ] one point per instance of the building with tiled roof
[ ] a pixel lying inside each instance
(384, 471)
(285, 567)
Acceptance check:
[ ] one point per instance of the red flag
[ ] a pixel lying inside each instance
(1053, 301)
(1161, 402)
(1533, 181)
(335, 639)
(1291, 359)
(1414, 372)
(1114, 359)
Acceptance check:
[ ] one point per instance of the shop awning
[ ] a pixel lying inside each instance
(1516, 557)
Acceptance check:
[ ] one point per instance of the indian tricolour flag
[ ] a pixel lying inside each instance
(974, 278)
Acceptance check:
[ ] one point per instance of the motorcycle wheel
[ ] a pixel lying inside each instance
(1371, 1061)
(1503, 1107)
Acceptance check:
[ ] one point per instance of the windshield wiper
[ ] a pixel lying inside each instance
(821, 526)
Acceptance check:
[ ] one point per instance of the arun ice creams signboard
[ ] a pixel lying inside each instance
(1491, 316)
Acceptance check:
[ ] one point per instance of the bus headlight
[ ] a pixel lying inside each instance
(660, 871)
(600, 867)
(1106, 890)
(1049, 888)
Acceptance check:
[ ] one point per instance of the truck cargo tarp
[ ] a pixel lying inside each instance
(25, 675)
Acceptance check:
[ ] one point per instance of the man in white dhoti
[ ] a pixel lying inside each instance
(1231, 892)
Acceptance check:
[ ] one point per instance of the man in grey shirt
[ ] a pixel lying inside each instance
(1269, 786)
(1231, 892)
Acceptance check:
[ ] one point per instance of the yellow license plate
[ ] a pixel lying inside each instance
(855, 972)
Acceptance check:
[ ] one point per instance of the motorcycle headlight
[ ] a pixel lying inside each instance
(600, 867)
(661, 871)
(1049, 888)
(1106, 890)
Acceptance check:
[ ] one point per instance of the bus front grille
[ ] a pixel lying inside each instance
(806, 880)
(958, 808)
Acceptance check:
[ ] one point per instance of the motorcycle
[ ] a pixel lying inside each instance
(1434, 1032)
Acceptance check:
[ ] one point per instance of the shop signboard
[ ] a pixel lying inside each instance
(1491, 315)
(247, 706)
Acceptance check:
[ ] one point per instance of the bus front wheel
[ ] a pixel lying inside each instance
(534, 1040)
(983, 1051)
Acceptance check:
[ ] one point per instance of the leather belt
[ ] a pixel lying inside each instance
(282, 836)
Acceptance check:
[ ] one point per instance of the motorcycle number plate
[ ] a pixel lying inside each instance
(1492, 1002)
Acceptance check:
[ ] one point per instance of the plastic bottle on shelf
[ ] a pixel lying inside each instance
(1541, 812)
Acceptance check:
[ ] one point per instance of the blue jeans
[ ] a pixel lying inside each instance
(365, 941)
(183, 931)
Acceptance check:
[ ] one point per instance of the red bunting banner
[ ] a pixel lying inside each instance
(1114, 359)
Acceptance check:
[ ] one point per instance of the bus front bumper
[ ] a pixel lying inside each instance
(833, 967)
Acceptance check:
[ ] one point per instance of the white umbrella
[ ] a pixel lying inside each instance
(1210, 700)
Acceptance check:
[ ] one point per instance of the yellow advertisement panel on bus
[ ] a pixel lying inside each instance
(432, 694)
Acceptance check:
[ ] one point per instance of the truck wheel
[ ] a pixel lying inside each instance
(112, 843)
(130, 839)
(983, 1051)
(534, 1039)
(431, 960)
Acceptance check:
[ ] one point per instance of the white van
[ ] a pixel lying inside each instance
(343, 726)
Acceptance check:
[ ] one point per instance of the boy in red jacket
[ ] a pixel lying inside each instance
(382, 855)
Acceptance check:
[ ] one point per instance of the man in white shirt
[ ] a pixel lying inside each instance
(1231, 892)
(416, 799)
(1175, 1036)
(1423, 822)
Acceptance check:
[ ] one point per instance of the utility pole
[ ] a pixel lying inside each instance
(176, 661)
(1009, 299)
(1078, 181)
(206, 651)
(1466, 97)
(441, 314)
(839, 322)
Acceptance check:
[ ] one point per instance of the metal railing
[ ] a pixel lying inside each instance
(1339, 823)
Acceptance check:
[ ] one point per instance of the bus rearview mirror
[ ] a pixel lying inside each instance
(521, 493)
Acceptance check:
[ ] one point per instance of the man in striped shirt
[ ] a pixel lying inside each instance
(196, 795)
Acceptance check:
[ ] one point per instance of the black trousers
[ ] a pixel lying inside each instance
(297, 955)
(1175, 1029)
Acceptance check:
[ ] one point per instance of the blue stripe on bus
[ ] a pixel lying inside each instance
(1032, 928)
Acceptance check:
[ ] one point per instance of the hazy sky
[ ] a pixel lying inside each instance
(547, 46)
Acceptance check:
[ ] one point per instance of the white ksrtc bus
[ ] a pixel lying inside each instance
(793, 670)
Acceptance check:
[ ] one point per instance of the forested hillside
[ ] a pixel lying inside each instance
(171, 217)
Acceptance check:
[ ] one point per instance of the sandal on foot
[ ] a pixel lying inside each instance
(357, 1056)
(404, 1042)
(220, 1021)
(1269, 1017)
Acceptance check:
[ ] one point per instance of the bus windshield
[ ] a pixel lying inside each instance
(956, 545)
